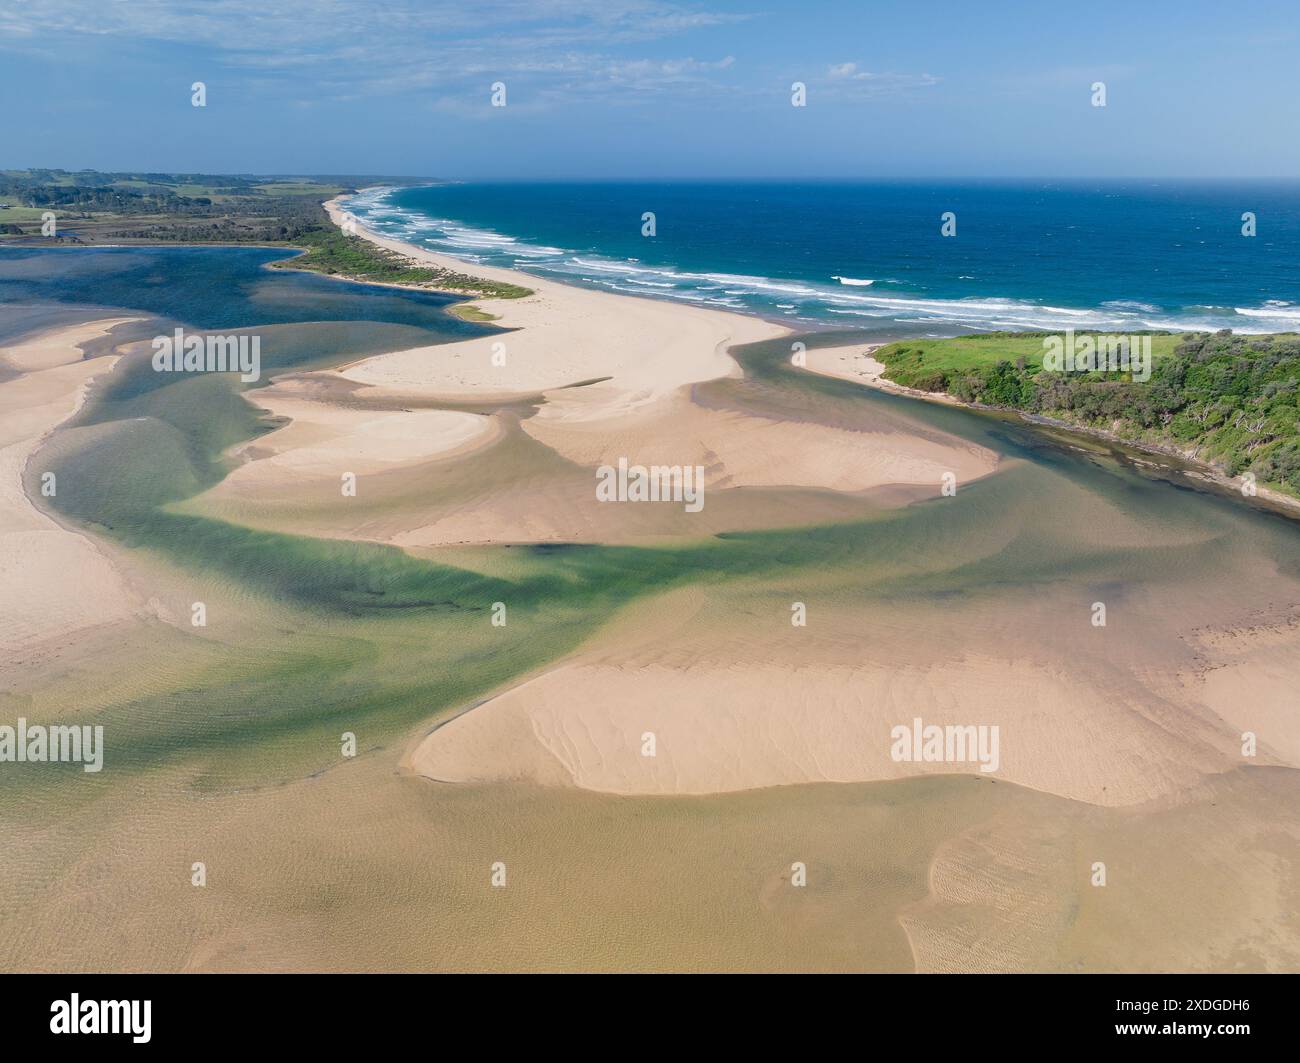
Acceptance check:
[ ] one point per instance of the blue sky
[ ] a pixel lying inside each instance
(648, 88)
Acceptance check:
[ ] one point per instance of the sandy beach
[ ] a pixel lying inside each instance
(731, 713)
(612, 376)
(854, 363)
(55, 582)
(470, 504)
(736, 701)
(1122, 743)
(628, 352)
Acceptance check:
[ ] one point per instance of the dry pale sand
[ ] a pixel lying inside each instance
(854, 362)
(322, 439)
(757, 471)
(779, 706)
(614, 374)
(53, 582)
(728, 714)
(746, 723)
(742, 450)
(534, 481)
(566, 335)
(1249, 680)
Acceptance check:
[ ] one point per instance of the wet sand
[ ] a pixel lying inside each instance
(54, 582)
(522, 744)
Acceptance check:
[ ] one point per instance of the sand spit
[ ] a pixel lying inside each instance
(854, 362)
(636, 351)
(612, 377)
(616, 376)
(53, 582)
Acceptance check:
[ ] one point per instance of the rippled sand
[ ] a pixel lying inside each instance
(522, 745)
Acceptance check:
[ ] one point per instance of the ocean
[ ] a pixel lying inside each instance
(1120, 256)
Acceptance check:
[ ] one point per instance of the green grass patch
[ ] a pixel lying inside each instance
(467, 312)
(921, 363)
(335, 252)
(1227, 399)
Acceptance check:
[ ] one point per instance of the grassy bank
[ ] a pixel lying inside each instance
(1226, 399)
(336, 253)
(970, 362)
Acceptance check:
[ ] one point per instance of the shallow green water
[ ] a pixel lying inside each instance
(366, 638)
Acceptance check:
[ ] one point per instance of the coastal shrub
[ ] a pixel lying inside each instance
(1228, 398)
(334, 252)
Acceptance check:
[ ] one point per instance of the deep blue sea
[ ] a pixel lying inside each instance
(1026, 254)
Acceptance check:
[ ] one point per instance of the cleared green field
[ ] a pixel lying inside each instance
(1227, 399)
(298, 188)
(14, 212)
(920, 358)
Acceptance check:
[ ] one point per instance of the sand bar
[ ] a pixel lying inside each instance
(53, 581)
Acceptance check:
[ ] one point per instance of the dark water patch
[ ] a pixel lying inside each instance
(214, 288)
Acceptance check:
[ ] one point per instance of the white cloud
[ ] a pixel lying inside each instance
(343, 48)
(659, 73)
(887, 82)
(288, 28)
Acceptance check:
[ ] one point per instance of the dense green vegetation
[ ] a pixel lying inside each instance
(335, 252)
(1228, 399)
(93, 207)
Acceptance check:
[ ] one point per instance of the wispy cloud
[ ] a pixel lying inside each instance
(345, 48)
(291, 25)
(655, 74)
(843, 77)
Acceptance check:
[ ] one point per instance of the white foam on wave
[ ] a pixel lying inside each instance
(1127, 305)
(846, 296)
(617, 267)
(1273, 316)
(1268, 311)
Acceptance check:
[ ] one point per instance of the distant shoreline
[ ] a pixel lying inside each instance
(819, 361)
